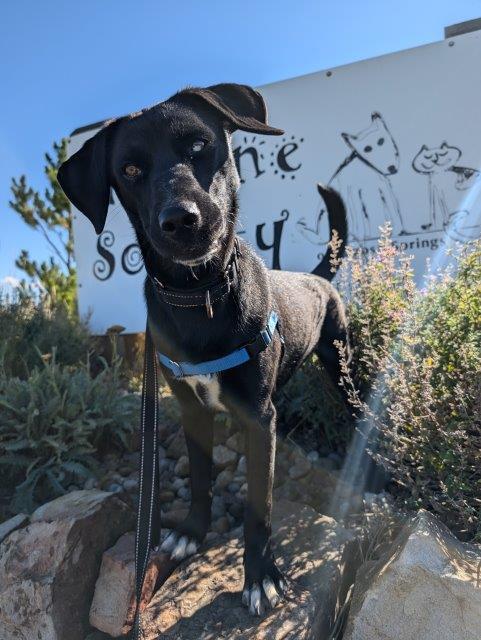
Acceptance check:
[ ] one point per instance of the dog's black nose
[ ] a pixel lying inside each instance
(174, 219)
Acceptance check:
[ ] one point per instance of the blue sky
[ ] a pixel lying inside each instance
(65, 64)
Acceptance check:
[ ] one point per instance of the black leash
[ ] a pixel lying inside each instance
(147, 536)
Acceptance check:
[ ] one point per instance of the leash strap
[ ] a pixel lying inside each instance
(234, 359)
(148, 515)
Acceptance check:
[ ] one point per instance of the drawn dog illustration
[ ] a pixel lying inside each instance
(363, 181)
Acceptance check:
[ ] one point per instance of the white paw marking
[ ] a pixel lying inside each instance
(255, 605)
(179, 547)
(271, 592)
(252, 598)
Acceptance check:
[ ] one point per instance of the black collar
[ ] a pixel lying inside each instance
(206, 294)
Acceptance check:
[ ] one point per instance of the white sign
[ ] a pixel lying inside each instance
(398, 136)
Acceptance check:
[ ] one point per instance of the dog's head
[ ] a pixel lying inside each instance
(172, 168)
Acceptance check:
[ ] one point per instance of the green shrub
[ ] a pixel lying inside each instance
(310, 410)
(420, 352)
(31, 330)
(54, 425)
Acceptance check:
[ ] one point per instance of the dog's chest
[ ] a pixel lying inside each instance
(207, 390)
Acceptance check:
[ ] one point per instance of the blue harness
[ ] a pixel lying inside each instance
(234, 359)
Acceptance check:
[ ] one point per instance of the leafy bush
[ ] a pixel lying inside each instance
(54, 424)
(310, 410)
(29, 332)
(420, 353)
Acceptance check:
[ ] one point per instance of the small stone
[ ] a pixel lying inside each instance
(177, 447)
(236, 442)
(130, 484)
(174, 517)
(182, 467)
(218, 507)
(336, 458)
(133, 458)
(177, 483)
(223, 479)
(242, 465)
(125, 470)
(313, 456)
(114, 487)
(236, 509)
(221, 525)
(243, 490)
(224, 457)
(328, 464)
(234, 487)
(300, 469)
(166, 496)
(166, 464)
(91, 483)
(184, 494)
(211, 536)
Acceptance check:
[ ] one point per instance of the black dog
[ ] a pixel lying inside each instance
(208, 294)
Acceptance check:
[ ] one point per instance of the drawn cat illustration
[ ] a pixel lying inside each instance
(435, 162)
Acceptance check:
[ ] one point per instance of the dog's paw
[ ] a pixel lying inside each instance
(265, 592)
(179, 546)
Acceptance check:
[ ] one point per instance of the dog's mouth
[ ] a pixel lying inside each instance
(196, 262)
(193, 250)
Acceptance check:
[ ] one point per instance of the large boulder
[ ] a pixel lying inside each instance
(48, 569)
(426, 586)
(202, 598)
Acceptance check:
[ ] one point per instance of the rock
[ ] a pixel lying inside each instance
(223, 479)
(202, 598)
(218, 507)
(177, 446)
(224, 457)
(313, 456)
(174, 517)
(184, 494)
(130, 484)
(114, 488)
(11, 525)
(328, 464)
(233, 487)
(236, 509)
(177, 483)
(242, 466)
(243, 491)
(113, 604)
(221, 525)
(426, 586)
(48, 570)
(90, 483)
(182, 467)
(300, 468)
(236, 442)
(166, 496)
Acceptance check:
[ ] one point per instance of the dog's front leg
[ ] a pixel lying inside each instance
(198, 424)
(263, 580)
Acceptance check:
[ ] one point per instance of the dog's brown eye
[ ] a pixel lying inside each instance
(131, 171)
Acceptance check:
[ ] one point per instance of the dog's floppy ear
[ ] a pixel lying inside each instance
(242, 106)
(84, 177)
